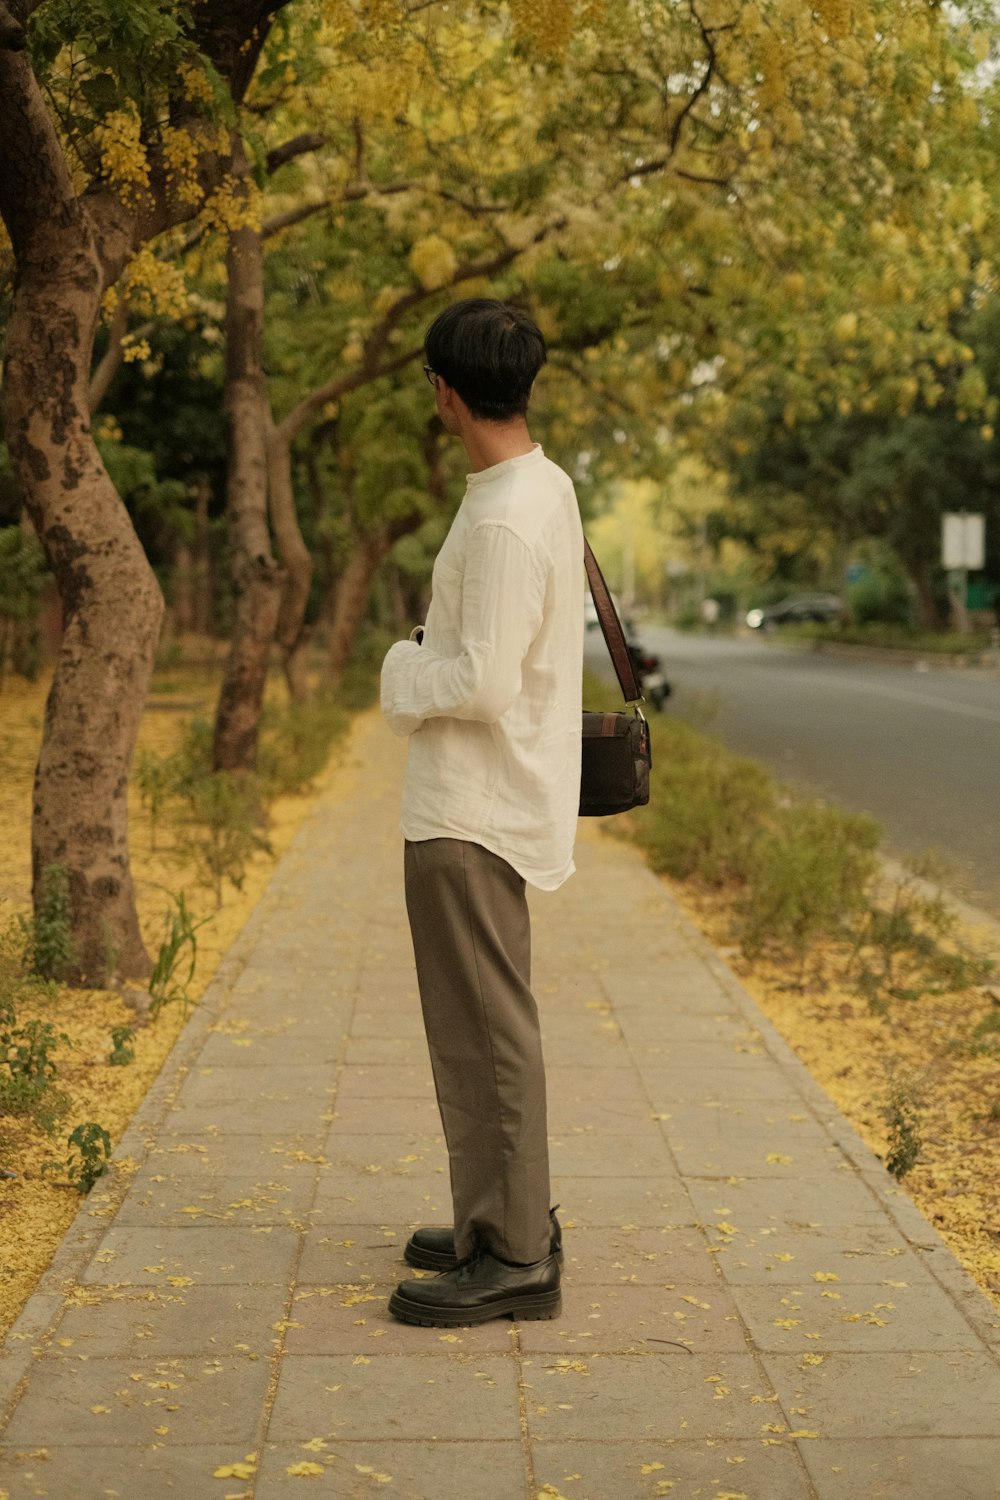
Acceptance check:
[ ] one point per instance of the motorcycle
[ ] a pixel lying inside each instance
(649, 675)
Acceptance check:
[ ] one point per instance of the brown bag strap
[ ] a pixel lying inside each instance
(611, 627)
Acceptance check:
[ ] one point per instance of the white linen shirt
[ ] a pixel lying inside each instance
(491, 699)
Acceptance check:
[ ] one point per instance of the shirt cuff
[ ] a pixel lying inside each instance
(396, 698)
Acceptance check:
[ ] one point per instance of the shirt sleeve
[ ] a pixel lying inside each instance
(502, 603)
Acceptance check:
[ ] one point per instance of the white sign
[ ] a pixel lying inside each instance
(963, 541)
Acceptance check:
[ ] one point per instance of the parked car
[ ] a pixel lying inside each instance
(824, 608)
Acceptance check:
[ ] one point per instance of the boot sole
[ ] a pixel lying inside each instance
(530, 1309)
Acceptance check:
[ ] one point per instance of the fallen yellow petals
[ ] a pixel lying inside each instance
(234, 1471)
(305, 1470)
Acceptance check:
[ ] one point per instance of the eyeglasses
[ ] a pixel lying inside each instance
(431, 374)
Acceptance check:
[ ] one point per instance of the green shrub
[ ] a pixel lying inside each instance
(295, 744)
(27, 1064)
(223, 831)
(177, 959)
(907, 947)
(90, 1148)
(900, 1109)
(707, 807)
(807, 878)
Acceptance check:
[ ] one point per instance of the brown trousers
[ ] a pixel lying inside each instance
(472, 944)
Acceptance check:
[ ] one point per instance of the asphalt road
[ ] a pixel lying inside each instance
(919, 750)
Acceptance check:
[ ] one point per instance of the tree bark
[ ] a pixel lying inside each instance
(293, 634)
(201, 559)
(927, 605)
(67, 249)
(349, 605)
(257, 578)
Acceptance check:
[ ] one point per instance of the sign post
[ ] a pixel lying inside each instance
(963, 550)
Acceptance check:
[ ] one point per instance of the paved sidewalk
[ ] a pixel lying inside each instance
(751, 1307)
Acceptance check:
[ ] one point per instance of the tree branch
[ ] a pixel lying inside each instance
(370, 368)
(351, 194)
(299, 145)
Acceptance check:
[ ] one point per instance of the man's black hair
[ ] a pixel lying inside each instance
(489, 353)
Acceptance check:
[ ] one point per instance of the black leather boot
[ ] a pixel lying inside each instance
(480, 1288)
(434, 1249)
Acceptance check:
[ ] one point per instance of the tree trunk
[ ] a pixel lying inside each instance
(293, 633)
(297, 666)
(66, 248)
(201, 560)
(350, 603)
(927, 605)
(258, 579)
(183, 587)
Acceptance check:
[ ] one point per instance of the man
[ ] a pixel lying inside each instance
(491, 698)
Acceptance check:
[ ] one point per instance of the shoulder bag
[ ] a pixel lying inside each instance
(616, 756)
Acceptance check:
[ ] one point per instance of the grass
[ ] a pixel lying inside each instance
(890, 637)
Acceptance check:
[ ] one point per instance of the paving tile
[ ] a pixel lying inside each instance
(215, 1397)
(608, 1113)
(406, 1470)
(583, 1051)
(410, 1051)
(891, 1395)
(382, 1114)
(217, 1257)
(388, 1081)
(347, 1195)
(612, 1083)
(643, 1470)
(868, 1250)
(715, 1116)
(373, 1019)
(248, 1046)
(172, 1321)
(664, 1025)
(667, 1256)
(656, 1059)
(890, 1469)
(758, 1079)
(638, 1319)
(610, 1201)
(250, 1114)
(203, 1154)
(860, 1317)
(148, 1470)
(666, 1395)
(357, 1253)
(688, 984)
(752, 1202)
(758, 1156)
(442, 1396)
(354, 1319)
(251, 1198)
(405, 1153)
(593, 1153)
(256, 1089)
